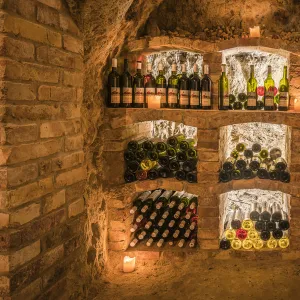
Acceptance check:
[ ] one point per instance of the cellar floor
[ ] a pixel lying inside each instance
(206, 279)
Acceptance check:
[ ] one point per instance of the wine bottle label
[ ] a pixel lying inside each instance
(115, 95)
(127, 95)
(149, 93)
(251, 101)
(269, 98)
(162, 92)
(225, 100)
(184, 97)
(172, 95)
(284, 99)
(139, 95)
(195, 98)
(206, 98)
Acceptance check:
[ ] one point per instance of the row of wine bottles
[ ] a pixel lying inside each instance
(164, 216)
(192, 92)
(247, 163)
(262, 226)
(151, 159)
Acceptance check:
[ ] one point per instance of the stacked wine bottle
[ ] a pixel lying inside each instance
(151, 159)
(164, 217)
(263, 226)
(247, 163)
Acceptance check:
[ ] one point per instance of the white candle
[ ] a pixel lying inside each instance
(297, 105)
(154, 102)
(254, 32)
(128, 264)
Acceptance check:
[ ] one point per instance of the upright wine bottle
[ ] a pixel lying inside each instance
(223, 90)
(252, 90)
(150, 84)
(269, 86)
(195, 87)
(161, 86)
(206, 90)
(114, 93)
(173, 88)
(183, 86)
(126, 86)
(138, 87)
(284, 91)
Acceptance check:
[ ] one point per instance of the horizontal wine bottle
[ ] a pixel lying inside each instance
(247, 244)
(275, 153)
(248, 153)
(255, 163)
(162, 201)
(129, 177)
(225, 243)
(229, 164)
(258, 243)
(236, 174)
(247, 223)
(280, 164)
(262, 172)
(180, 175)
(161, 147)
(189, 165)
(272, 243)
(174, 140)
(141, 175)
(133, 166)
(191, 177)
(129, 155)
(285, 176)
(284, 242)
(236, 244)
(241, 162)
(256, 147)
(241, 147)
(273, 173)
(136, 145)
(224, 176)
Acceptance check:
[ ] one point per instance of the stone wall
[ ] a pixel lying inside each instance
(42, 163)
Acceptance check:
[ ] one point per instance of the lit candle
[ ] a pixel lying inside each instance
(297, 105)
(154, 102)
(128, 264)
(254, 32)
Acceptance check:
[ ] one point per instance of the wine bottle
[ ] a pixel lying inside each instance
(186, 144)
(184, 223)
(166, 233)
(229, 164)
(255, 163)
(153, 174)
(184, 201)
(155, 214)
(269, 86)
(180, 175)
(129, 176)
(247, 244)
(193, 241)
(265, 212)
(147, 164)
(174, 140)
(237, 174)
(178, 233)
(273, 173)
(181, 156)
(248, 173)
(262, 172)
(114, 93)
(191, 153)
(172, 224)
(191, 177)
(265, 235)
(234, 153)
(133, 166)
(175, 199)
(141, 175)
(275, 153)
(195, 88)
(152, 155)
(229, 233)
(171, 152)
(252, 90)
(164, 172)
(256, 147)
(155, 232)
(129, 155)
(136, 145)
(285, 176)
(193, 202)
(259, 225)
(236, 221)
(148, 145)
(241, 234)
(189, 165)
(168, 213)
(224, 243)
(284, 91)
(149, 202)
(237, 105)
(247, 223)
(280, 164)
(160, 243)
(272, 243)
(224, 176)
(126, 86)
(174, 165)
(150, 84)
(161, 147)
(241, 147)
(248, 153)
(264, 153)
(206, 90)
(138, 87)
(254, 212)
(277, 232)
(276, 212)
(241, 162)
(150, 241)
(252, 234)
(173, 88)
(134, 242)
(270, 225)
(258, 244)
(183, 86)
(182, 242)
(236, 244)
(161, 86)
(284, 223)
(164, 161)
(223, 90)
(284, 242)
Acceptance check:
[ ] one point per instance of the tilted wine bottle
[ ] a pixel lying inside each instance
(136, 145)
(114, 92)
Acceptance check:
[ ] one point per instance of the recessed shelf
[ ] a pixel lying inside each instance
(164, 248)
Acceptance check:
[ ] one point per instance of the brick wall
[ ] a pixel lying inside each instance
(42, 163)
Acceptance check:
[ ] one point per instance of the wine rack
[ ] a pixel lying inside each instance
(164, 219)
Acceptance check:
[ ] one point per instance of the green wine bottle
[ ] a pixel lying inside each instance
(138, 87)
(206, 90)
(269, 86)
(161, 86)
(150, 84)
(183, 85)
(173, 88)
(114, 93)
(223, 90)
(252, 90)
(126, 86)
(284, 91)
(195, 86)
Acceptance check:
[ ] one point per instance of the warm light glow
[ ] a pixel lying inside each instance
(255, 32)
(296, 105)
(128, 264)
(154, 101)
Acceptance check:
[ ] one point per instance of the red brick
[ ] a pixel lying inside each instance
(207, 177)
(14, 134)
(208, 155)
(208, 201)
(208, 167)
(25, 214)
(208, 146)
(21, 175)
(19, 91)
(54, 201)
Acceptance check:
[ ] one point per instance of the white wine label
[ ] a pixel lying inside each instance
(184, 97)
(269, 98)
(127, 95)
(162, 93)
(115, 95)
(195, 98)
(251, 101)
(172, 95)
(139, 95)
(149, 92)
(206, 98)
(284, 99)
(226, 100)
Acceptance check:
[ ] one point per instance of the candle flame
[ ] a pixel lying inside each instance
(128, 259)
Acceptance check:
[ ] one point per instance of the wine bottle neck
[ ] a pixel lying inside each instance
(285, 72)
